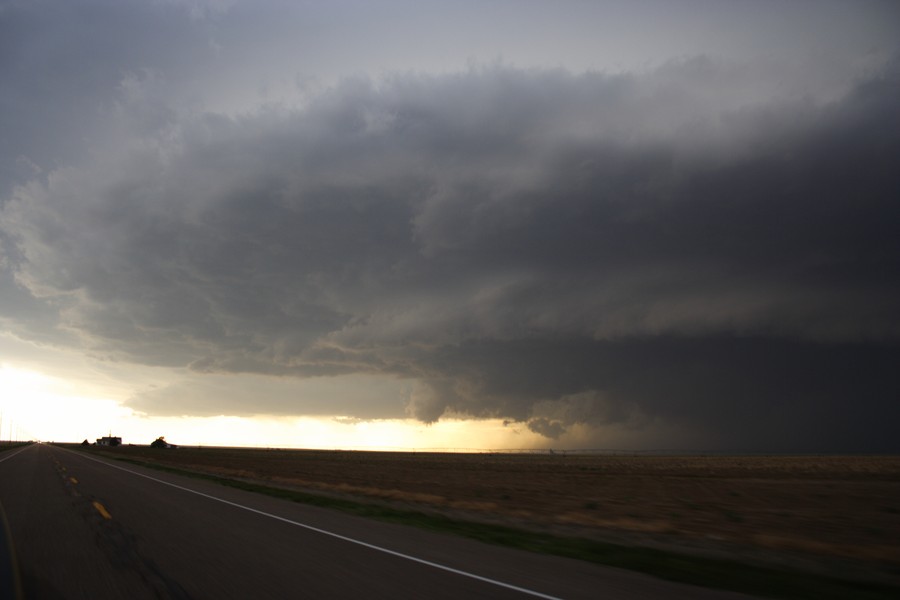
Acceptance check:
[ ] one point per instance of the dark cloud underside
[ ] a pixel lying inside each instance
(533, 245)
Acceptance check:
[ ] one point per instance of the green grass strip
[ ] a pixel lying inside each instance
(706, 572)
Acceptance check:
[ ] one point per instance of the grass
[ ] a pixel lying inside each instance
(706, 572)
(4, 446)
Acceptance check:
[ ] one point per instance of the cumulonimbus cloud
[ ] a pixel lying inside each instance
(527, 244)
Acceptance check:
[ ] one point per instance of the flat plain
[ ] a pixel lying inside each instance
(836, 514)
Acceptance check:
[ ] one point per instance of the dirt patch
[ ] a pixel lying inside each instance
(831, 507)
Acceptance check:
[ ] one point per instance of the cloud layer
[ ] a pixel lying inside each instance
(698, 246)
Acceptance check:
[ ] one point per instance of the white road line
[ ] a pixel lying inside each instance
(9, 456)
(328, 533)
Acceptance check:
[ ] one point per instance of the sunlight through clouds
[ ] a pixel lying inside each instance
(36, 406)
(46, 408)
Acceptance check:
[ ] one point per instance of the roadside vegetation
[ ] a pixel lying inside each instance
(4, 446)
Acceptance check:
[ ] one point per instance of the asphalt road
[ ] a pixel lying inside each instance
(89, 528)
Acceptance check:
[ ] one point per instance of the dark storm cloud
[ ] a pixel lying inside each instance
(731, 393)
(62, 64)
(533, 245)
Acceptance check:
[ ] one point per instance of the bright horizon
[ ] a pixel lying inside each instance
(29, 397)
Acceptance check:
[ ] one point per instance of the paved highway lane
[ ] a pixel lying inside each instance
(89, 528)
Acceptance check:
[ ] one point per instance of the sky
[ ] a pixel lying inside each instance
(453, 225)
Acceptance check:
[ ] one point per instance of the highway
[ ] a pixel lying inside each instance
(86, 527)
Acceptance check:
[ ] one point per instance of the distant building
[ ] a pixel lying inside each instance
(109, 441)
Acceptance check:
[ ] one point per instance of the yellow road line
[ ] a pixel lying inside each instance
(102, 510)
(73, 480)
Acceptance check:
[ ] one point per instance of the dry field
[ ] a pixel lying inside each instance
(832, 507)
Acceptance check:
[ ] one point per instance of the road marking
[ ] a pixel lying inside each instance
(102, 510)
(73, 480)
(422, 561)
(8, 456)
